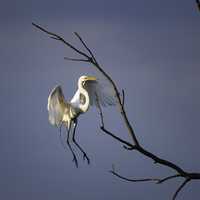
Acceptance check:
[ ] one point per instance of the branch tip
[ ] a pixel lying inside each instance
(180, 188)
(76, 59)
(128, 148)
(123, 97)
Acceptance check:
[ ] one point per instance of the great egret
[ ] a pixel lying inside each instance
(90, 92)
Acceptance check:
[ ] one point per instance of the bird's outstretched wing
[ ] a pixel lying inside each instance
(100, 93)
(56, 106)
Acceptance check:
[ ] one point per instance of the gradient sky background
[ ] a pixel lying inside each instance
(151, 49)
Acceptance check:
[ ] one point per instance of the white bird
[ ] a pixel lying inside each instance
(90, 92)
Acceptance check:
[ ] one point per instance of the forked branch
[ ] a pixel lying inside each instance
(156, 180)
(134, 145)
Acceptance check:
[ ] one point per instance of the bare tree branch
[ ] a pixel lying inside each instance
(168, 178)
(127, 145)
(180, 188)
(123, 97)
(118, 138)
(57, 37)
(133, 180)
(156, 159)
(156, 180)
(84, 44)
(77, 59)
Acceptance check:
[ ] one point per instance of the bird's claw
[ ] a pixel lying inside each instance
(86, 157)
(75, 160)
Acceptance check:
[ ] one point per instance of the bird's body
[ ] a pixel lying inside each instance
(90, 92)
(61, 111)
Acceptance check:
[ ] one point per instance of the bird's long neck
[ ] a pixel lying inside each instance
(85, 105)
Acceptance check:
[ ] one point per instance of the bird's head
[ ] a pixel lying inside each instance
(83, 79)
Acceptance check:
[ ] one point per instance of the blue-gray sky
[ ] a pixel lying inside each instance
(151, 49)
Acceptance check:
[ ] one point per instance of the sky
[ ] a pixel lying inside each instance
(151, 50)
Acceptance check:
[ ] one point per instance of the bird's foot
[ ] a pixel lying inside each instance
(75, 160)
(86, 157)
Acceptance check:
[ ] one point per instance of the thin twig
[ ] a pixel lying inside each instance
(57, 37)
(133, 180)
(168, 178)
(123, 97)
(157, 180)
(118, 138)
(84, 44)
(77, 59)
(180, 188)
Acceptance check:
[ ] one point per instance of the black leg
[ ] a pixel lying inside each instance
(80, 148)
(74, 156)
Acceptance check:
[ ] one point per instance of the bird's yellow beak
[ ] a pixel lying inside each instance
(90, 78)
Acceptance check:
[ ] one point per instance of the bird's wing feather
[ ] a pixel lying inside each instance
(56, 106)
(100, 93)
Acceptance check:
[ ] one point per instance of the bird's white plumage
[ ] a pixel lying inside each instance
(91, 92)
(75, 101)
(100, 93)
(56, 106)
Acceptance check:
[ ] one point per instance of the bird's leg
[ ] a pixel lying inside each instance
(74, 156)
(74, 140)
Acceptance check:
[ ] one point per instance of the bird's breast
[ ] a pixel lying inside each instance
(82, 99)
(74, 112)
